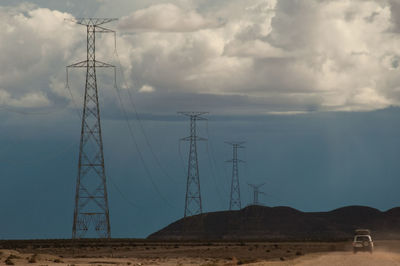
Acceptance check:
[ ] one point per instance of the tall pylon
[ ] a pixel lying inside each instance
(235, 202)
(91, 212)
(256, 192)
(193, 204)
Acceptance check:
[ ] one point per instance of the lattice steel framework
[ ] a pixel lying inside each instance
(235, 202)
(91, 212)
(256, 192)
(193, 204)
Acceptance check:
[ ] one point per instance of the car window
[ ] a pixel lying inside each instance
(362, 238)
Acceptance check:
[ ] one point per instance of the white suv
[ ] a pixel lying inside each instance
(363, 243)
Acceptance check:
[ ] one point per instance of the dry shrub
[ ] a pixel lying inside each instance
(33, 259)
(245, 261)
(8, 261)
(58, 261)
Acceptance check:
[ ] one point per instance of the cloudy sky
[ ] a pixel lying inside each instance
(313, 86)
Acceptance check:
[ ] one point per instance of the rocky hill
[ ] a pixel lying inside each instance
(284, 224)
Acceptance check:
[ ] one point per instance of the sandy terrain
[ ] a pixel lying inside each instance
(379, 258)
(205, 254)
(335, 259)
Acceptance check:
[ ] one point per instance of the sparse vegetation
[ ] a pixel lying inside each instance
(8, 261)
(202, 253)
(209, 264)
(33, 259)
(245, 261)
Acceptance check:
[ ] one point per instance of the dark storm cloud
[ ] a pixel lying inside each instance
(395, 15)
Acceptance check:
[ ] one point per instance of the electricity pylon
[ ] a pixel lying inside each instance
(256, 192)
(91, 213)
(235, 202)
(193, 204)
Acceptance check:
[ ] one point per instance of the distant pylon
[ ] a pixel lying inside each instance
(91, 213)
(193, 204)
(256, 192)
(235, 202)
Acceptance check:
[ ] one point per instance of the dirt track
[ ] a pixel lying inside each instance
(128, 252)
(379, 258)
(326, 259)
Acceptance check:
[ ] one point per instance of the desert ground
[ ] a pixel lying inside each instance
(127, 252)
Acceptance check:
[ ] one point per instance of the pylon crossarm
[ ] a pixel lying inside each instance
(197, 114)
(236, 143)
(100, 29)
(90, 21)
(85, 63)
(193, 138)
(102, 64)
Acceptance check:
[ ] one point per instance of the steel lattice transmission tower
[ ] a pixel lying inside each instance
(235, 202)
(91, 213)
(256, 192)
(193, 196)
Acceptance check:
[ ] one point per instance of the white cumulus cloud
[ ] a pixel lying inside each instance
(255, 56)
(165, 17)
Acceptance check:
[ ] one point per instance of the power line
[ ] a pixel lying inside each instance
(213, 152)
(181, 157)
(213, 166)
(23, 112)
(138, 150)
(141, 127)
(134, 205)
(71, 94)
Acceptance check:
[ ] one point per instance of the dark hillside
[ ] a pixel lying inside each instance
(284, 224)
